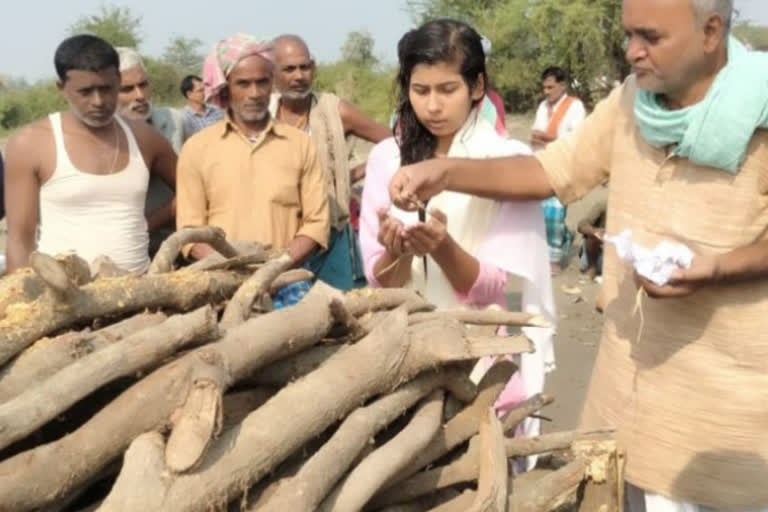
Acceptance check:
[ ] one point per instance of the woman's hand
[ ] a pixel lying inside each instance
(391, 234)
(427, 237)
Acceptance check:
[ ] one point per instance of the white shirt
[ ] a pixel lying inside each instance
(575, 115)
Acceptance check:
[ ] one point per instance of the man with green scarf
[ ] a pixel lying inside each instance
(683, 148)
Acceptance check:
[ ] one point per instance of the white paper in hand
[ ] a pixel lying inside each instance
(407, 218)
(657, 264)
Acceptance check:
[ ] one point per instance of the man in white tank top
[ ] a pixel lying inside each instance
(81, 175)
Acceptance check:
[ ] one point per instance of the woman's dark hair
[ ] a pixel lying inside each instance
(189, 83)
(434, 42)
(84, 53)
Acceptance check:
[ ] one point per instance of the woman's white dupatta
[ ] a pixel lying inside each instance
(509, 235)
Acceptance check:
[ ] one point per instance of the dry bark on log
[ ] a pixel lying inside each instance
(369, 300)
(484, 317)
(52, 272)
(184, 290)
(239, 308)
(171, 247)
(604, 487)
(49, 355)
(492, 480)
(59, 467)
(459, 429)
(517, 415)
(21, 286)
(306, 489)
(292, 368)
(237, 406)
(305, 408)
(353, 493)
(137, 480)
(25, 413)
(290, 277)
(466, 468)
(551, 491)
(461, 503)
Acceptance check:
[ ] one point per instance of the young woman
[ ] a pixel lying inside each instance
(464, 251)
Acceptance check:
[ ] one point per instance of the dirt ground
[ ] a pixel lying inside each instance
(579, 324)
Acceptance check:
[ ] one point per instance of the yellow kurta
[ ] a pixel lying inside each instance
(269, 191)
(690, 398)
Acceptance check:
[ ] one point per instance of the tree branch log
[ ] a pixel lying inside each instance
(49, 355)
(27, 412)
(353, 493)
(171, 247)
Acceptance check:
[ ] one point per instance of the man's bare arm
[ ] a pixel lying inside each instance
(301, 248)
(161, 160)
(22, 197)
(516, 177)
(357, 123)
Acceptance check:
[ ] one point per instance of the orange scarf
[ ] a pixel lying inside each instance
(557, 118)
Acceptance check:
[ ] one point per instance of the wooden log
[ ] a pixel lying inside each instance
(484, 317)
(239, 308)
(309, 486)
(604, 486)
(30, 410)
(466, 468)
(550, 492)
(184, 290)
(305, 408)
(460, 503)
(492, 480)
(52, 272)
(369, 300)
(519, 413)
(171, 246)
(290, 277)
(237, 406)
(458, 430)
(49, 355)
(59, 467)
(136, 483)
(363, 482)
(292, 368)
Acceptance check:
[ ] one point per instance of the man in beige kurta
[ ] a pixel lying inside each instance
(686, 382)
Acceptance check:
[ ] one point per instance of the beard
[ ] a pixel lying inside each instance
(129, 111)
(253, 115)
(296, 95)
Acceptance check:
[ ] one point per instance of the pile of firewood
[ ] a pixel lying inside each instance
(182, 390)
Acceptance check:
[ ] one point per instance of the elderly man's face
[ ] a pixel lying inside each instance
(249, 85)
(294, 71)
(135, 94)
(666, 44)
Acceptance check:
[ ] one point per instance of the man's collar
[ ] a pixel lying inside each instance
(272, 127)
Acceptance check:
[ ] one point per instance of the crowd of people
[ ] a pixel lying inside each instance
(456, 209)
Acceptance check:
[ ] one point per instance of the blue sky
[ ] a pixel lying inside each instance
(31, 30)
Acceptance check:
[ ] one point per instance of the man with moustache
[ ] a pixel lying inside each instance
(258, 180)
(135, 102)
(329, 120)
(80, 176)
(684, 148)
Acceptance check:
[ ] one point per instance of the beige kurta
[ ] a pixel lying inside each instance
(690, 398)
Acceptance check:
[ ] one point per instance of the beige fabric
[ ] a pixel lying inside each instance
(690, 398)
(327, 132)
(270, 190)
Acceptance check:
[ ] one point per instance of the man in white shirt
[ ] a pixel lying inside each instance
(558, 115)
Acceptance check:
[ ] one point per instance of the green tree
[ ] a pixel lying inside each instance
(754, 35)
(358, 49)
(116, 25)
(184, 53)
(582, 36)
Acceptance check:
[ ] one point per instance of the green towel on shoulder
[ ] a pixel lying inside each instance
(716, 131)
